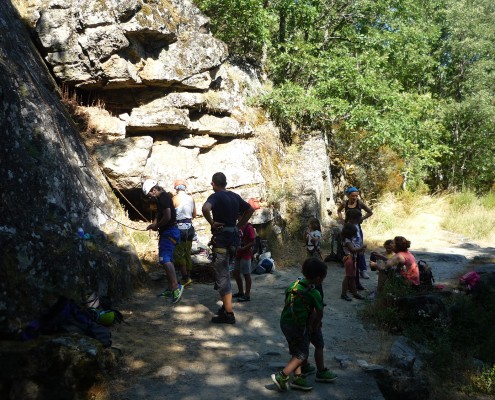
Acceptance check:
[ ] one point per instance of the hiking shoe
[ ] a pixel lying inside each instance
(244, 298)
(237, 295)
(364, 274)
(221, 310)
(185, 282)
(358, 296)
(325, 376)
(345, 297)
(307, 369)
(165, 293)
(280, 381)
(300, 383)
(177, 295)
(224, 318)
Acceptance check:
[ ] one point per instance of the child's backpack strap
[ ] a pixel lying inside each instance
(294, 293)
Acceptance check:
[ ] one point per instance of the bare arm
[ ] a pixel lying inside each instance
(340, 209)
(167, 214)
(206, 210)
(195, 213)
(245, 217)
(368, 214)
(353, 249)
(394, 261)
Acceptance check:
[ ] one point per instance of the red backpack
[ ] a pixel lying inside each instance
(470, 279)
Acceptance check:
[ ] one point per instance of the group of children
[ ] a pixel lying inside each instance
(301, 317)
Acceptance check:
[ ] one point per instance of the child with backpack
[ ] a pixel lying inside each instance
(312, 237)
(300, 322)
(352, 248)
(242, 263)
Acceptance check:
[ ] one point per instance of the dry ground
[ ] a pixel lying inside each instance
(175, 352)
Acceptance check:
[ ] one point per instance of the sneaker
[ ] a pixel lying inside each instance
(325, 376)
(244, 298)
(185, 282)
(358, 296)
(364, 274)
(165, 293)
(299, 382)
(221, 311)
(307, 369)
(224, 318)
(237, 295)
(345, 297)
(280, 381)
(177, 294)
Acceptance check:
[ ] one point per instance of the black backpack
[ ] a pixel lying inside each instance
(426, 279)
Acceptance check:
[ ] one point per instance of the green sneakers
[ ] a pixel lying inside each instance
(307, 369)
(300, 383)
(280, 381)
(165, 293)
(325, 376)
(177, 294)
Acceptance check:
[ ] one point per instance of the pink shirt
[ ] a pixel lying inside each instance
(411, 272)
(247, 236)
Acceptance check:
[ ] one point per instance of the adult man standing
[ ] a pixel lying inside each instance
(221, 210)
(165, 224)
(186, 211)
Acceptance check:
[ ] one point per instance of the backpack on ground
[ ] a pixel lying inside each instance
(265, 266)
(425, 275)
(65, 316)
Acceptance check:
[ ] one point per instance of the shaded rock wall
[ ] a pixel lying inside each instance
(49, 188)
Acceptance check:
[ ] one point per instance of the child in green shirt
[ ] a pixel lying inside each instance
(300, 322)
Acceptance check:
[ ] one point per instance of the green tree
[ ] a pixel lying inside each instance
(467, 81)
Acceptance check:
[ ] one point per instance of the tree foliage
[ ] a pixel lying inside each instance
(409, 78)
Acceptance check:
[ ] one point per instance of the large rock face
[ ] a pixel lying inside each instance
(163, 102)
(49, 188)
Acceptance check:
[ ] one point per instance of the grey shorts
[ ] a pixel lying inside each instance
(298, 339)
(242, 265)
(222, 273)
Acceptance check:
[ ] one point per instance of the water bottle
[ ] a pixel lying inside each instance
(80, 232)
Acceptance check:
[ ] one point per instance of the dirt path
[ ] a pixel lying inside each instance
(175, 352)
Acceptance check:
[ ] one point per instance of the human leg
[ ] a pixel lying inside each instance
(356, 276)
(345, 288)
(245, 269)
(188, 256)
(222, 281)
(166, 248)
(298, 340)
(237, 276)
(247, 278)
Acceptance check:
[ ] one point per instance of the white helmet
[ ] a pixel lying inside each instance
(148, 185)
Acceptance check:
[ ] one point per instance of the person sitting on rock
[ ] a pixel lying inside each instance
(404, 261)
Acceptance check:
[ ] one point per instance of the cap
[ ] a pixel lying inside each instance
(178, 183)
(351, 190)
(148, 185)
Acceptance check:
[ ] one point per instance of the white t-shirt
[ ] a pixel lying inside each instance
(185, 209)
(314, 235)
